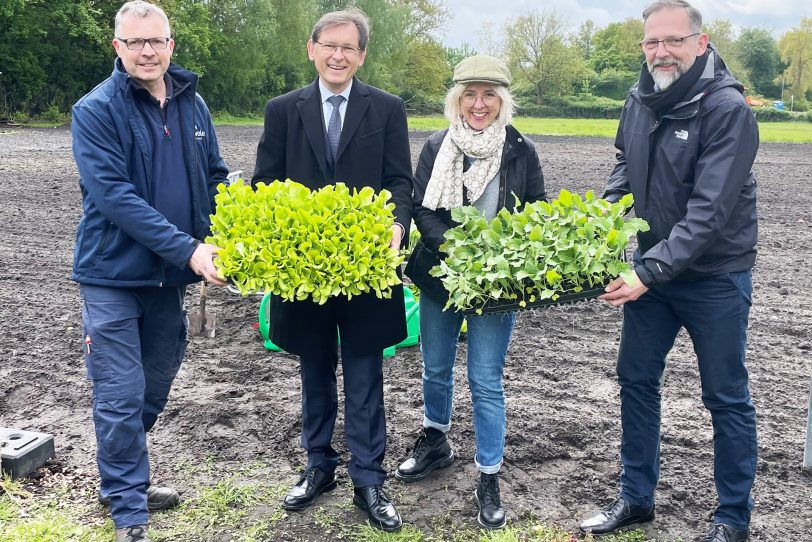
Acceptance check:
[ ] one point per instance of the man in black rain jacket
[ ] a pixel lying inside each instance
(686, 144)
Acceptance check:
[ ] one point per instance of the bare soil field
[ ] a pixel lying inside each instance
(236, 404)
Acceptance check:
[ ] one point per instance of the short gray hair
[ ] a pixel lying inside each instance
(351, 15)
(694, 16)
(453, 109)
(139, 8)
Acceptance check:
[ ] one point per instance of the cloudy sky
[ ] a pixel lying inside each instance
(468, 16)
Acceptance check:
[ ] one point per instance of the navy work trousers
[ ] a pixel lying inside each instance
(137, 340)
(714, 311)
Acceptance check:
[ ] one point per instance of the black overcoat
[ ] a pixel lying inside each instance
(373, 151)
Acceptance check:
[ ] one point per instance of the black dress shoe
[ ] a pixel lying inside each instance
(491, 514)
(313, 483)
(380, 510)
(619, 514)
(725, 533)
(158, 498)
(431, 451)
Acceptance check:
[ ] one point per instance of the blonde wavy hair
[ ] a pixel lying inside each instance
(453, 109)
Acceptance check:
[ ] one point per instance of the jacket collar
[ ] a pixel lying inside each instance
(309, 107)
(714, 76)
(514, 144)
(183, 77)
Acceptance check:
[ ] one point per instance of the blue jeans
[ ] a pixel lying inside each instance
(714, 311)
(137, 342)
(488, 338)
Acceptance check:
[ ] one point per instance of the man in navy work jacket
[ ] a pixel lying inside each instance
(149, 165)
(686, 145)
(338, 129)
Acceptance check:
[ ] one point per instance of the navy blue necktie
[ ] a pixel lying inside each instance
(334, 127)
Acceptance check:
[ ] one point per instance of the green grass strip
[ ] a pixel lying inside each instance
(773, 132)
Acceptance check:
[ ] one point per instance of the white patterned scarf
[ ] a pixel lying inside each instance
(445, 187)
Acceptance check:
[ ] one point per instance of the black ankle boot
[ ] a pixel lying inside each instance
(491, 514)
(431, 451)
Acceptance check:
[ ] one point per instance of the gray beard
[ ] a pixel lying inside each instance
(665, 80)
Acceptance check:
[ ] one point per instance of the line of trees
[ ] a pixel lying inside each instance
(246, 51)
(555, 62)
(54, 51)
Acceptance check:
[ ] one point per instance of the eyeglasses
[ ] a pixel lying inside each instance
(136, 44)
(333, 48)
(668, 43)
(469, 98)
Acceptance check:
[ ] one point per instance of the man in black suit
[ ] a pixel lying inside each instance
(337, 129)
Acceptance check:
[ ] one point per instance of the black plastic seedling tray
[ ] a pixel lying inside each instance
(500, 306)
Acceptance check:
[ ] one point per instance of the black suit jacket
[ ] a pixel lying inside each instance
(373, 151)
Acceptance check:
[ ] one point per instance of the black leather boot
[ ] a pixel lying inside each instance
(491, 514)
(381, 512)
(431, 451)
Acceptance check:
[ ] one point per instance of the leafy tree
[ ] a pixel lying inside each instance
(426, 69)
(796, 51)
(395, 24)
(758, 53)
(193, 33)
(425, 17)
(723, 38)
(293, 23)
(453, 55)
(38, 39)
(388, 49)
(618, 46)
(584, 39)
(614, 83)
(239, 74)
(537, 52)
(488, 38)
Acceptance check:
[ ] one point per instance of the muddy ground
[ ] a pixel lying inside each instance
(237, 404)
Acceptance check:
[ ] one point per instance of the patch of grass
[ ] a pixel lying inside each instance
(231, 120)
(534, 531)
(12, 487)
(225, 504)
(531, 126)
(328, 521)
(773, 132)
(446, 529)
(261, 531)
(24, 518)
(785, 132)
(9, 511)
(50, 524)
(42, 124)
(366, 533)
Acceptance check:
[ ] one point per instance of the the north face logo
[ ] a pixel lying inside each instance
(681, 134)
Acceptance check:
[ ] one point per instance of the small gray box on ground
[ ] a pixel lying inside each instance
(22, 452)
